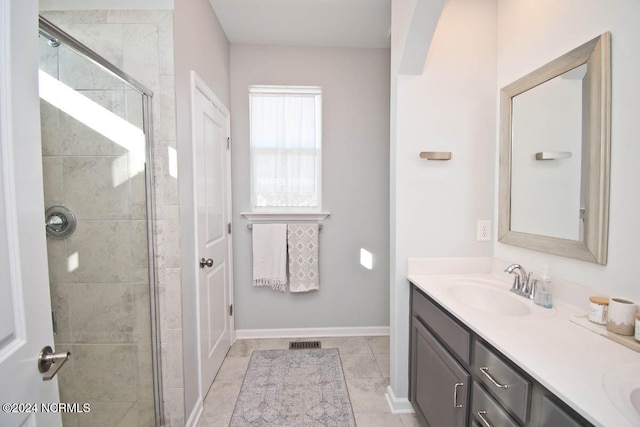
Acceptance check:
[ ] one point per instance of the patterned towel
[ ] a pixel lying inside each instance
(302, 240)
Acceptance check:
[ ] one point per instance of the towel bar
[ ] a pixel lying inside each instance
(250, 226)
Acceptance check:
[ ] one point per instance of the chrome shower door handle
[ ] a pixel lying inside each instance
(206, 262)
(47, 359)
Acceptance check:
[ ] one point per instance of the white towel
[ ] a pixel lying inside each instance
(302, 240)
(270, 256)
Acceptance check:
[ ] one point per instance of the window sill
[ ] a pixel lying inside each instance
(286, 216)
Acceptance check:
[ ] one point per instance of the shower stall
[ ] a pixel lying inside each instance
(96, 154)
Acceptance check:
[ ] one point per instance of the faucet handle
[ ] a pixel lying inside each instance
(526, 288)
(516, 283)
(533, 288)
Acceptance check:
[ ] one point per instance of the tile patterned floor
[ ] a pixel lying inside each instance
(365, 361)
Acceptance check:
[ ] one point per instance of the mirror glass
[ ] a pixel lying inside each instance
(546, 132)
(554, 159)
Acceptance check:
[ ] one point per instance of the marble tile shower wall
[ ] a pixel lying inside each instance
(103, 303)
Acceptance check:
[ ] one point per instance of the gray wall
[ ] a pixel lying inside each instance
(200, 45)
(449, 107)
(568, 24)
(355, 186)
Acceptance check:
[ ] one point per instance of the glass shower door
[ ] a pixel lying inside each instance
(94, 162)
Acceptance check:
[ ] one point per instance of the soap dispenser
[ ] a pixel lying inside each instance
(543, 296)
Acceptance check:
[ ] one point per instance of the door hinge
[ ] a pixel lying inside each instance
(228, 142)
(229, 228)
(231, 310)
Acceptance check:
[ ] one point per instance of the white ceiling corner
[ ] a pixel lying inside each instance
(336, 23)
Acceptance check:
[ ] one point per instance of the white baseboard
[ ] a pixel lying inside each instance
(194, 417)
(357, 331)
(398, 405)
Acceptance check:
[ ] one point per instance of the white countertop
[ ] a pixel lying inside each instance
(566, 358)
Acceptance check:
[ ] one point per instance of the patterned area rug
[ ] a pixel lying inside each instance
(301, 388)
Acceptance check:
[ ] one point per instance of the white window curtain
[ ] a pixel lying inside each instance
(285, 147)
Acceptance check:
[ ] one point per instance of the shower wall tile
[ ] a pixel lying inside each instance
(171, 300)
(107, 414)
(52, 180)
(166, 172)
(50, 129)
(106, 372)
(140, 53)
(102, 313)
(137, 188)
(172, 362)
(57, 258)
(97, 187)
(60, 18)
(70, 419)
(104, 39)
(142, 324)
(112, 100)
(78, 73)
(174, 406)
(146, 414)
(145, 377)
(165, 39)
(171, 237)
(165, 115)
(133, 107)
(60, 298)
(77, 139)
(98, 252)
(139, 251)
(138, 16)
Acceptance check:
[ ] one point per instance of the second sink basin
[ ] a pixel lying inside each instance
(622, 386)
(489, 299)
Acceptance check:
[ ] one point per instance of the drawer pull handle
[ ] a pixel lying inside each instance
(481, 415)
(455, 395)
(486, 373)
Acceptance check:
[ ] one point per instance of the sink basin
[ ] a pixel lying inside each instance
(622, 387)
(488, 299)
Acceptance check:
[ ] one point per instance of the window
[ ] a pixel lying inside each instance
(285, 140)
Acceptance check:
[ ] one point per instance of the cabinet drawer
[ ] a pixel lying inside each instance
(455, 336)
(487, 412)
(510, 388)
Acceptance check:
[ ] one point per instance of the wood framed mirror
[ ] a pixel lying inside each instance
(555, 127)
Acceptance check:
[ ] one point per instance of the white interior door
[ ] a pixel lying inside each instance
(213, 239)
(25, 307)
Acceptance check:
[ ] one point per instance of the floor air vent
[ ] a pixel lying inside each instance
(300, 345)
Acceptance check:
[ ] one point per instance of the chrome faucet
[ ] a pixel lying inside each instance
(521, 285)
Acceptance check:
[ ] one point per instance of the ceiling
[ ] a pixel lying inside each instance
(336, 23)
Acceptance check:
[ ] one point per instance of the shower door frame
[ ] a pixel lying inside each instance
(53, 33)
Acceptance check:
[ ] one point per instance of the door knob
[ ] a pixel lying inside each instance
(206, 262)
(47, 358)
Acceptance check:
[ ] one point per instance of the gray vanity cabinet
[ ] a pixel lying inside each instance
(457, 379)
(441, 387)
